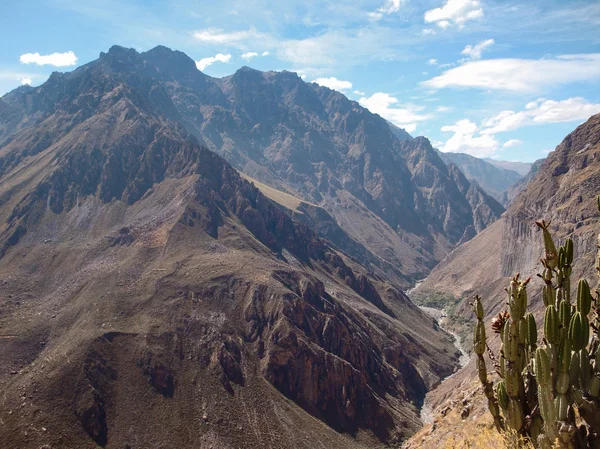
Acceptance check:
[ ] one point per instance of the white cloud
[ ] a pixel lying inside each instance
(387, 106)
(512, 143)
(55, 59)
(331, 48)
(389, 7)
(218, 36)
(443, 109)
(333, 83)
(474, 51)
(427, 32)
(521, 75)
(454, 12)
(358, 92)
(25, 81)
(249, 55)
(467, 139)
(253, 54)
(219, 57)
(539, 112)
(432, 61)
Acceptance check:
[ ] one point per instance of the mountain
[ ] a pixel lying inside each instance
(511, 193)
(150, 295)
(521, 168)
(495, 180)
(562, 190)
(400, 133)
(319, 146)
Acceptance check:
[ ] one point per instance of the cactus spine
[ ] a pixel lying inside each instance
(541, 385)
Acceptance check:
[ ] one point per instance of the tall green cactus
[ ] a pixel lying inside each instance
(542, 386)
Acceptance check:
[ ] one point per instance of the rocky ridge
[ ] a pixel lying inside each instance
(145, 281)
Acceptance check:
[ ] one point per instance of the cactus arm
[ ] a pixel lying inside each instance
(479, 346)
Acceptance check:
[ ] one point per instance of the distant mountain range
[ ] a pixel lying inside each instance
(495, 177)
(521, 168)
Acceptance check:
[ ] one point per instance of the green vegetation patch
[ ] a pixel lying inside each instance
(434, 299)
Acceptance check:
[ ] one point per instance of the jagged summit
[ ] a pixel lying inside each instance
(150, 293)
(302, 138)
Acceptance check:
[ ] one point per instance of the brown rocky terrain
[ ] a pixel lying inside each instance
(152, 297)
(563, 191)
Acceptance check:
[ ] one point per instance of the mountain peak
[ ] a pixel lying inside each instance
(119, 50)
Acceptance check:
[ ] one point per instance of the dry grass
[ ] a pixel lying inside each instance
(283, 198)
(487, 438)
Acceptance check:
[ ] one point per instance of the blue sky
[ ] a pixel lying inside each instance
(502, 79)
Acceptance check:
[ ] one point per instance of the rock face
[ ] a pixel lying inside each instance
(151, 296)
(494, 180)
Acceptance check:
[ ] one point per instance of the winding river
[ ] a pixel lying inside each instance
(441, 318)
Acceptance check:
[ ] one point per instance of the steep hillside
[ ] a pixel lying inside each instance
(399, 132)
(562, 191)
(314, 143)
(493, 179)
(512, 192)
(152, 297)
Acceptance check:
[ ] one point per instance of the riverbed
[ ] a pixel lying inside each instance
(441, 318)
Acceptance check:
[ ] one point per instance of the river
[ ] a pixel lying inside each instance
(441, 318)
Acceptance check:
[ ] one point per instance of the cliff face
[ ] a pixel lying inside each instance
(150, 295)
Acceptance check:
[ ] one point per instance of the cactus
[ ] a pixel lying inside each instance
(542, 384)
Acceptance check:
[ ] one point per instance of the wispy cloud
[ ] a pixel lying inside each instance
(454, 12)
(475, 51)
(219, 57)
(218, 36)
(520, 75)
(358, 92)
(242, 39)
(55, 59)
(334, 83)
(404, 116)
(481, 140)
(512, 143)
(249, 55)
(432, 61)
(389, 7)
(253, 54)
(331, 48)
(539, 112)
